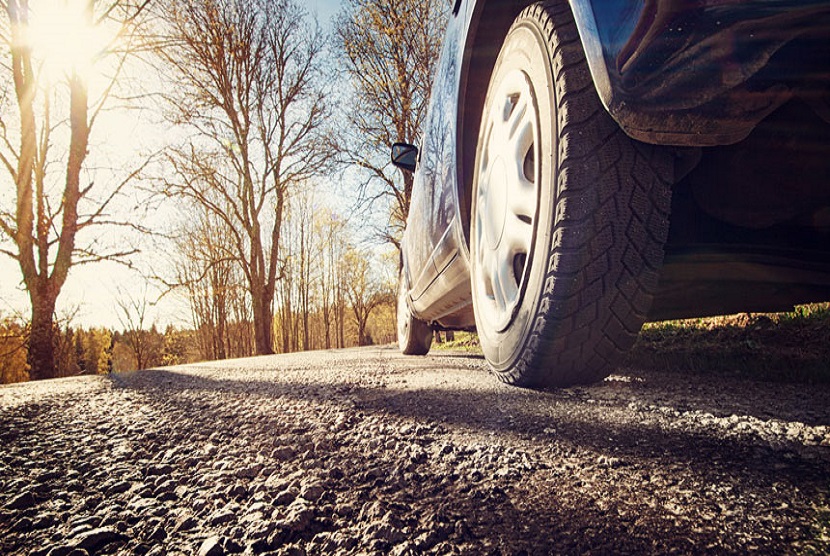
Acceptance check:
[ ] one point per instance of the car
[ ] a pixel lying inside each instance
(587, 166)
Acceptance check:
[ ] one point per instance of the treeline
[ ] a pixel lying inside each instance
(330, 292)
(97, 350)
(253, 106)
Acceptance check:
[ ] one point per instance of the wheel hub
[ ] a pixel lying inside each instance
(496, 203)
(506, 199)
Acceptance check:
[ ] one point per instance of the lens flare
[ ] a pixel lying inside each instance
(63, 37)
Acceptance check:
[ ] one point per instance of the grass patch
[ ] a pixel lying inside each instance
(776, 347)
(462, 341)
(791, 347)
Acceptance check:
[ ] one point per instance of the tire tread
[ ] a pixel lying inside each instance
(598, 287)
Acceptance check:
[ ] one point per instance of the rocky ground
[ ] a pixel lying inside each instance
(367, 452)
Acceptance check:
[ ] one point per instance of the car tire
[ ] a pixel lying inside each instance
(414, 336)
(569, 215)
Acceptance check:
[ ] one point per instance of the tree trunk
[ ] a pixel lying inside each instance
(41, 356)
(263, 326)
(221, 302)
(327, 325)
(342, 328)
(287, 318)
(361, 318)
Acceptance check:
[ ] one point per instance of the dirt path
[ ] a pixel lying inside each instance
(364, 451)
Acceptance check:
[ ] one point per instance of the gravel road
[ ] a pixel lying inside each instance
(367, 452)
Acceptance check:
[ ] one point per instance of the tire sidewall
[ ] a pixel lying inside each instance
(524, 49)
(414, 336)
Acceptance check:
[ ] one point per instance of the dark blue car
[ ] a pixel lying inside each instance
(587, 166)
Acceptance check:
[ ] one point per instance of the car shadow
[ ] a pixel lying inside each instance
(638, 414)
(554, 512)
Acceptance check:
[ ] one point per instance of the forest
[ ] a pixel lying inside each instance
(233, 155)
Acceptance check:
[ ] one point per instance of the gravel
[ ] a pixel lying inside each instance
(367, 452)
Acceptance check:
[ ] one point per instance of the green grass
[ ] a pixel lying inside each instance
(464, 341)
(792, 347)
(785, 347)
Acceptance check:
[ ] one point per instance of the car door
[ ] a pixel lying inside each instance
(433, 227)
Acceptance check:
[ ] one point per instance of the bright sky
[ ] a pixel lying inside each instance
(325, 9)
(93, 290)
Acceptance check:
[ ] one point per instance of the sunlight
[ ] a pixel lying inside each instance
(63, 38)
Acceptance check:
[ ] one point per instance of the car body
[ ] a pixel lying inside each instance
(733, 96)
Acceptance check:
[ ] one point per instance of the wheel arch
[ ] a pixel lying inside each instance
(489, 23)
(488, 27)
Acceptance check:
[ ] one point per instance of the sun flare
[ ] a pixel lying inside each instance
(63, 37)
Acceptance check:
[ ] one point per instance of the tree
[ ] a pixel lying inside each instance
(97, 347)
(66, 357)
(80, 357)
(389, 49)
(306, 247)
(364, 291)
(330, 230)
(297, 299)
(46, 220)
(177, 346)
(249, 90)
(13, 335)
(146, 345)
(205, 270)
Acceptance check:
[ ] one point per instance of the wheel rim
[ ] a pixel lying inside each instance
(506, 200)
(402, 316)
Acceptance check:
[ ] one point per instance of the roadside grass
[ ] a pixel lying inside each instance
(463, 341)
(777, 347)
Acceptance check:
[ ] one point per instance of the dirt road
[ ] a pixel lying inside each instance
(365, 451)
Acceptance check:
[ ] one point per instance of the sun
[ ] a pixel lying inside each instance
(63, 37)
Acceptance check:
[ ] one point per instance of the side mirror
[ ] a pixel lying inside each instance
(405, 156)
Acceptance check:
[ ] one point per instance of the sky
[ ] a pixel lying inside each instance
(325, 9)
(92, 292)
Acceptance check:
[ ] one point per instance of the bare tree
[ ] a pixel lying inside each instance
(364, 291)
(331, 290)
(146, 344)
(390, 49)
(307, 270)
(249, 91)
(287, 298)
(330, 230)
(205, 271)
(47, 217)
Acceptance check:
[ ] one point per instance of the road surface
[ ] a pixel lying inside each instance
(365, 451)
